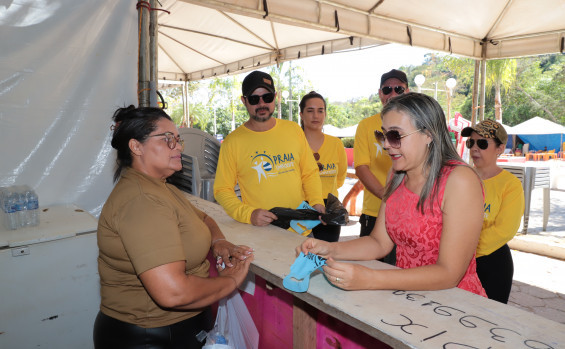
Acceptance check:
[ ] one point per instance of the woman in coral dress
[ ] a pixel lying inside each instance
(432, 210)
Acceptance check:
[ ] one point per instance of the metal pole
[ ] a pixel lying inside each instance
(290, 90)
(448, 90)
(185, 104)
(153, 59)
(143, 68)
(215, 128)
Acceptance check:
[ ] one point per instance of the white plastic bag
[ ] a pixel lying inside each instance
(234, 328)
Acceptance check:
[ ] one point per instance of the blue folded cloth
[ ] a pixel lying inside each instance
(299, 278)
(301, 226)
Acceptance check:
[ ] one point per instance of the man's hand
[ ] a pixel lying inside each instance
(262, 217)
(322, 209)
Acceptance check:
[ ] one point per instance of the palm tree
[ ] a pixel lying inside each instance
(501, 75)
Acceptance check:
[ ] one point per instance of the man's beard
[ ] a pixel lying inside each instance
(259, 118)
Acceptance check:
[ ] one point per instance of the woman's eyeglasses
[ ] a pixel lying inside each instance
(267, 98)
(388, 90)
(317, 157)
(171, 140)
(393, 137)
(481, 143)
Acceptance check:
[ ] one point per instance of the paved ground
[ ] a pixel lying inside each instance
(539, 283)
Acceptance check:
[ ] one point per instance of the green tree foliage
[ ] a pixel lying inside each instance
(528, 87)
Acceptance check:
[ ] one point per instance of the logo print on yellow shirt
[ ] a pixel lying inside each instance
(379, 149)
(267, 165)
(262, 166)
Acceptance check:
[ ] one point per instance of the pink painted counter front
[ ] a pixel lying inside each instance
(328, 317)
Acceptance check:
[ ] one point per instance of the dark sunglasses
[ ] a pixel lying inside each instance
(267, 98)
(393, 137)
(388, 90)
(317, 158)
(481, 143)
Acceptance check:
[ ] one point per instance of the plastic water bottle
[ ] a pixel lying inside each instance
(32, 202)
(2, 212)
(21, 208)
(9, 208)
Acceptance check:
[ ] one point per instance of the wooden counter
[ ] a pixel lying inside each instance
(450, 318)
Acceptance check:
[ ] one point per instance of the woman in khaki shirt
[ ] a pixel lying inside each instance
(154, 281)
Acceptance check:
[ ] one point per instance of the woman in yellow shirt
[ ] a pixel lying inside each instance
(503, 209)
(329, 153)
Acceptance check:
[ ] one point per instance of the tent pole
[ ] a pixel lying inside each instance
(185, 106)
(143, 55)
(147, 55)
(153, 59)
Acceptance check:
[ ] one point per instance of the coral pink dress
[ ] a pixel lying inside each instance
(417, 236)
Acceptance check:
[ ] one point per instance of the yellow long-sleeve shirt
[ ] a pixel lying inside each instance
(274, 168)
(367, 151)
(504, 208)
(334, 160)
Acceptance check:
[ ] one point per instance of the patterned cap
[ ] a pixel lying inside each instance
(487, 129)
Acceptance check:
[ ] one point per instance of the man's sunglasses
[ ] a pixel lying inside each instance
(481, 143)
(393, 137)
(254, 99)
(388, 90)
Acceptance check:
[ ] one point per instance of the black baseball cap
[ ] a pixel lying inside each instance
(257, 79)
(394, 74)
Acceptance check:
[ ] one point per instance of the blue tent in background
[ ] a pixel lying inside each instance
(540, 134)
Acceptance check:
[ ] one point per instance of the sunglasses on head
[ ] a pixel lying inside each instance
(267, 98)
(393, 137)
(481, 143)
(388, 90)
(317, 158)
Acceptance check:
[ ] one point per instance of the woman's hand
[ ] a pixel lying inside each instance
(238, 271)
(348, 276)
(318, 247)
(225, 252)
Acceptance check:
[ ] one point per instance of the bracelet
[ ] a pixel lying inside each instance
(213, 242)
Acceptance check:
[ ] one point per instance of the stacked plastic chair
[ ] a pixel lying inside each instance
(200, 160)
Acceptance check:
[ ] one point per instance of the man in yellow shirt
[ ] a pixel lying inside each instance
(372, 162)
(268, 158)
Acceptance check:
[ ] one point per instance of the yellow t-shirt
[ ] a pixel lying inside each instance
(504, 208)
(274, 168)
(367, 151)
(146, 223)
(334, 160)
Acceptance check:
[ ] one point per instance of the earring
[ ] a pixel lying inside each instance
(429, 145)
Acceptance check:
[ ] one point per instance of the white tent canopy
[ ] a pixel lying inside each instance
(205, 38)
(537, 126)
(66, 65)
(340, 132)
